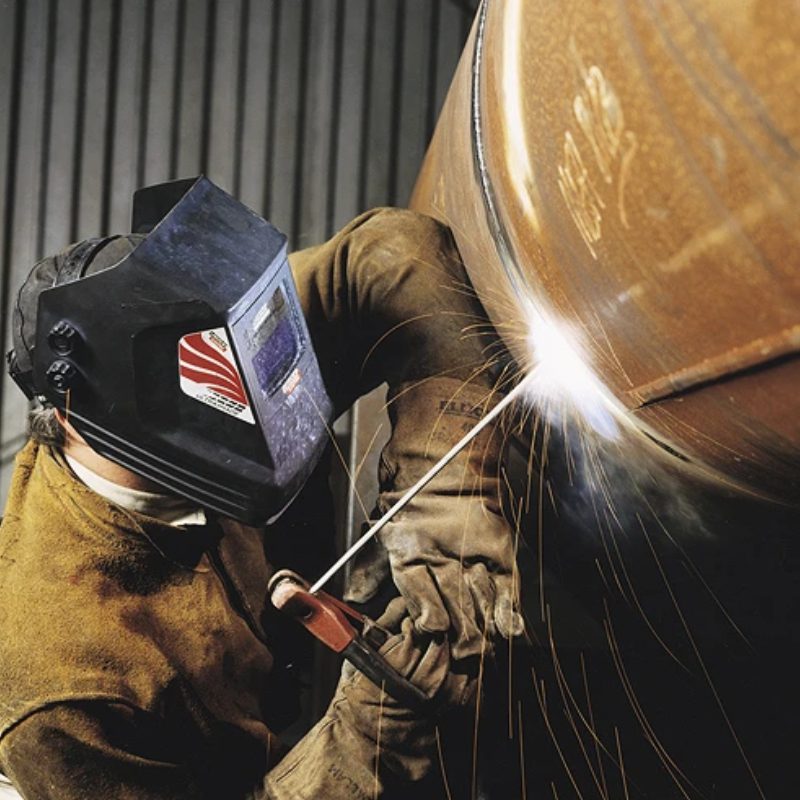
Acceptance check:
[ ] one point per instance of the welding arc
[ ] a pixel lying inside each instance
(422, 482)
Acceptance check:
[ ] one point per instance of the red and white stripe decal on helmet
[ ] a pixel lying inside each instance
(208, 373)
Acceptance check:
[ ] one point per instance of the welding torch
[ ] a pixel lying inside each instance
(344, 629)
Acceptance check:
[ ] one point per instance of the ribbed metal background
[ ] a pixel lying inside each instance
(307, 110)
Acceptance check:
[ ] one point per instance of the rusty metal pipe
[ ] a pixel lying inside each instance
(634, 168)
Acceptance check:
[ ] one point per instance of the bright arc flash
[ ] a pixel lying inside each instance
(562, 379)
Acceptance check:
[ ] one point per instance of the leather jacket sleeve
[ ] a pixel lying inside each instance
(99, 750)
(388, 299)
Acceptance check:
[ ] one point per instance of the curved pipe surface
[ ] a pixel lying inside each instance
(631, 172)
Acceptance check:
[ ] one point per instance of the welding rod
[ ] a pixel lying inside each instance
(421, 483)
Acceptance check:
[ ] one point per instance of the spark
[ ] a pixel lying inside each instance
(591, 725)
(521, 753)
(442, 765)
(377, 785)
(621, 763)
(704, 668)
(674, 771)
(478, 699)
(541, 696)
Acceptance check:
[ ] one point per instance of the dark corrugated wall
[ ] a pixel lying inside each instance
(307, 110)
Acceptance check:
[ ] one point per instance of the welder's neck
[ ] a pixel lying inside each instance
(76, 448)
(169, 508)
(125, 488)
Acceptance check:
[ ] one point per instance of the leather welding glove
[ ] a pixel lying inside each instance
(450, 551)
(367, 742)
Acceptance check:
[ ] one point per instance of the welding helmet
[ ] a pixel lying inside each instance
(189, 360)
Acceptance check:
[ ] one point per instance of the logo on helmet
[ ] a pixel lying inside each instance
(208, 373)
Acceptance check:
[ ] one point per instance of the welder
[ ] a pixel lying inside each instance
(184, 380)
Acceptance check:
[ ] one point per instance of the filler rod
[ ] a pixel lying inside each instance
(422, 482)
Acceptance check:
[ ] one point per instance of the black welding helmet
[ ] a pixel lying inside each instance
(189, 361)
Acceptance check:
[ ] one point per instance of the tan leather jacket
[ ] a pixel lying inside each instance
(135, 659)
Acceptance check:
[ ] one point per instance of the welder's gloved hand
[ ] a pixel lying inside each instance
(450, 551)
(367, 741)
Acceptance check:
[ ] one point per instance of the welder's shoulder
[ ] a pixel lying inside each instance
(400, 220)
(402, 229)
(396, 232)
(61, 638)
(19, 498)
(24, 462)
(372, 255)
